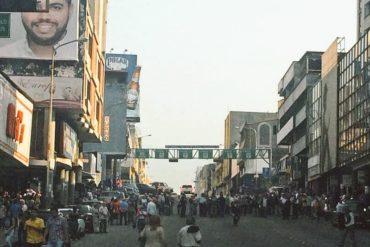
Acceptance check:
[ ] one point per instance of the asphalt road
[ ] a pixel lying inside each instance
(219, 232)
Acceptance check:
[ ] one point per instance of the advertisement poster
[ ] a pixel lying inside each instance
(133, 97)
(67, 92)
(127, 64)
(34, 35)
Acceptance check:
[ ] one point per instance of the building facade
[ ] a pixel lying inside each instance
(56, 158)
(354, 117)
(292, 114)
(258, 172)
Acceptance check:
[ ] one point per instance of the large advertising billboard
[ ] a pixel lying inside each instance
(67, 93)
(127, 64)
(16, 122)
(30, 66)
(34, 35)
(133, 97)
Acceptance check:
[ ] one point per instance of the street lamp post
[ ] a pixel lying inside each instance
(50, 140)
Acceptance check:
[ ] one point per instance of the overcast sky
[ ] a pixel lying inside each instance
(203, 58)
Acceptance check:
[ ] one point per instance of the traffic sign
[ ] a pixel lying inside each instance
(205, 154)
(161, 153)
(4, 25)
(185, 153)
(229, 154)
(141, 153)
(247, 154)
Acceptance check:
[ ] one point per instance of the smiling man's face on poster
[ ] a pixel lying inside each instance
(42, 31)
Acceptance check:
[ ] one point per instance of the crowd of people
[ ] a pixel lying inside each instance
(19, 219)
(22, 226)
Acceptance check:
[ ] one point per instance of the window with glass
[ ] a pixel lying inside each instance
(353, 95)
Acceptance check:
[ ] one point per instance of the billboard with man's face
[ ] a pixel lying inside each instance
(29, 64)
(35, 35)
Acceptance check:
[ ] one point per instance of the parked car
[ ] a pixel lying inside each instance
(146, 189)
(90, 215)
(361, 213)
(162, 187)
(81, 219)
(106, 196)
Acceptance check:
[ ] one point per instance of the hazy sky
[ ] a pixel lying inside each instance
(204, 58)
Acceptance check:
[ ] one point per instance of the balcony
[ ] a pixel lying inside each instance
(299, 146)
(289, 102)
(301, 116)
(285, 131)
(288, 77)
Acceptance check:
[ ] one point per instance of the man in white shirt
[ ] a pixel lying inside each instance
(189, 235)
(151, 209)
(103, 217)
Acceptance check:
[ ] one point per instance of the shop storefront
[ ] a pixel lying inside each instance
(15, 137)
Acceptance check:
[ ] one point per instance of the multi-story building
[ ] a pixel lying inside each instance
(115, 134)
(76, 68)
(233, 124)
(259, 135)
(363, 17)
(354, 117)
(322, 123)
(292, 114)
(204, 179)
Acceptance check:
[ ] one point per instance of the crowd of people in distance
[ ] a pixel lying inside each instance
(22, 226)
(19, 214)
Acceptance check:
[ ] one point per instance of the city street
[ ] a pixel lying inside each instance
(219, 232)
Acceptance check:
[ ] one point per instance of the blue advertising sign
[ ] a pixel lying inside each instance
(121, 63)
(127, 63)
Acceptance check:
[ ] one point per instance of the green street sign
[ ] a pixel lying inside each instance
(229, 154)
(4, 25)
(185, 153)
(161, 153)
(205, 154)
(247, 154)
(141, 153)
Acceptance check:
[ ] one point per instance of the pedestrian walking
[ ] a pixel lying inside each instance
(151, 208)
(56, 231)
(103, 218)
(34, 228)
(153, 234)
(349, 228)
(9, 229)
(182, 204)
(123, 212)
(189, 235)
(221, 205)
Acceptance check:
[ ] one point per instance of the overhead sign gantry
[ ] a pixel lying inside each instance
(174, 153)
